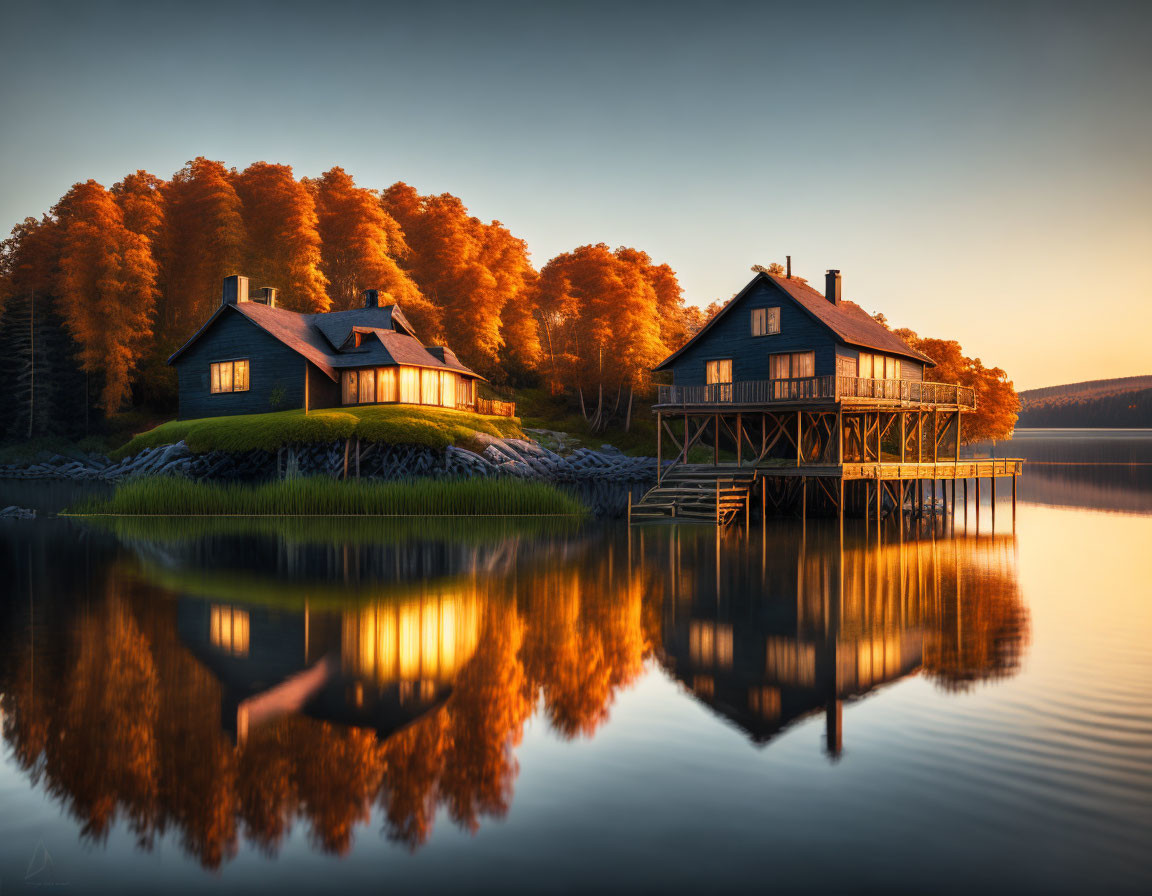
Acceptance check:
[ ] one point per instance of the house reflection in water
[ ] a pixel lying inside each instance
(170, 698)
(380, 664)
(774, 629)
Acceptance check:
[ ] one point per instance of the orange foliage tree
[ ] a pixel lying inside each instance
(359, 245)
(997, 405)
(283, 237)
(606, 317)
(200, 245)
(468, 269)
(107, 281)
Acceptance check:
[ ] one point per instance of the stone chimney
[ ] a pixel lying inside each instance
(832, 287)
(371, 298)
(235, 290)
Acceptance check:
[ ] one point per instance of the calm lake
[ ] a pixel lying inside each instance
(508, 706)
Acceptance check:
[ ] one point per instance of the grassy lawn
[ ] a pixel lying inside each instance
(321, 496)
(394, 424)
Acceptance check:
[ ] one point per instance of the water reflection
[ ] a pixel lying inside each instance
(343, 684)
(771, 628)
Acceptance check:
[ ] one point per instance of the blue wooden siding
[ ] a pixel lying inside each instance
(271, 364)
(731, 337)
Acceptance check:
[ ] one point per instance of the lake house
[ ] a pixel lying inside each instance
(790, 388)
(251, 357)
(780, 330)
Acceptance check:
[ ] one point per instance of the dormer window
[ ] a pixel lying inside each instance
(765, 321)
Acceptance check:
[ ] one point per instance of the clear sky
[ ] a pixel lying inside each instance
(977, 171)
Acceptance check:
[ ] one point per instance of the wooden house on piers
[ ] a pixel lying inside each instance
(251, 356)
(789, 387)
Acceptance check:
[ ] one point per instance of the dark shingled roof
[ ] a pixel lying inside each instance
(321, 338)
(850, 323)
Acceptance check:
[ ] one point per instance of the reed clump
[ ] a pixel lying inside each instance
(319, 496)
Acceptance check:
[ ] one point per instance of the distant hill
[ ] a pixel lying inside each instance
(1125, 402)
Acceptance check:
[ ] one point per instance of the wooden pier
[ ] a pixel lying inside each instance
(820, 445)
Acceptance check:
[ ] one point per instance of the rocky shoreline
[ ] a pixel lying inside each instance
(601, 478)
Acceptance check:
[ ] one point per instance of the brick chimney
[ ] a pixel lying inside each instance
(235, 290)
(832, 287)
(371, 298)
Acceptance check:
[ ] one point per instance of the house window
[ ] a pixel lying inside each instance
(410, 385)
(350, 393)
(447, 388)
(797, 365)
(367, 387)
(429, 386)
(386, 384)
(228, 629)
(230, 376)
(865, 366)
(765, 321)
(719, 371)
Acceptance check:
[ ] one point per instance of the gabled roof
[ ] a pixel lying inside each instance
(850, 323)
(322, 338)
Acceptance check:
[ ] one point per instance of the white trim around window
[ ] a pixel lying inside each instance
(229, 376)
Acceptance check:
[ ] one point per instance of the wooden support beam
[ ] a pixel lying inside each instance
(659, 447)
(840, 446)
(739, 439)
(799, 440)
(306, 396)
(903, 426)
(716, 443)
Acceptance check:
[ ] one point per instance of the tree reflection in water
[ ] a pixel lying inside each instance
(193, 709)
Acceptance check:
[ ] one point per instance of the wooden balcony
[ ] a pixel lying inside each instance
(819, 390)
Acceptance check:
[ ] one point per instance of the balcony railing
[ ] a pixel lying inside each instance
(821, 388)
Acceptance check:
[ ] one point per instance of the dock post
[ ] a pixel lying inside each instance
(992, 485)
(1013, 500)
(717, 503)
(879, 499)
(629, 510)
(965, 505)
(659, 445)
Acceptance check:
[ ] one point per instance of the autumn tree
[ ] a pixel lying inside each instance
(200, 245)
(107, 284)
(468, 269)
(601, 312)
(282, 247)
(359, 247)
(997, 405)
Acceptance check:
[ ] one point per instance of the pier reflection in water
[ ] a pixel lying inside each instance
(320, 683)
(770, 628)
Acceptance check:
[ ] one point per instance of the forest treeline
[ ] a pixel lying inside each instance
(98, 292)
(1115, 403)
(104, 287)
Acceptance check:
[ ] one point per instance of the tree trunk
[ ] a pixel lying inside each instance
(628, 416)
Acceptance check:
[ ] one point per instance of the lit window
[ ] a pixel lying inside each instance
(794, 366)
(228, 629)
(386, 384)
(410, 385)
(429, 386)
(765, 321)
(447, 388)
(719, 371)
(351, 392)
(367, 387)
(229, 376)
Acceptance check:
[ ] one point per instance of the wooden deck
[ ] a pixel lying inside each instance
(816, 392)
(979, 468)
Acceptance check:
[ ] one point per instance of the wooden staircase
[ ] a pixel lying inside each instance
(698, 494)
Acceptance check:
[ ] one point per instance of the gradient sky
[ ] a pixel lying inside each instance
(977, 171)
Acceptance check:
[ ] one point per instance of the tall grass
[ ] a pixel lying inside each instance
(315, 496)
